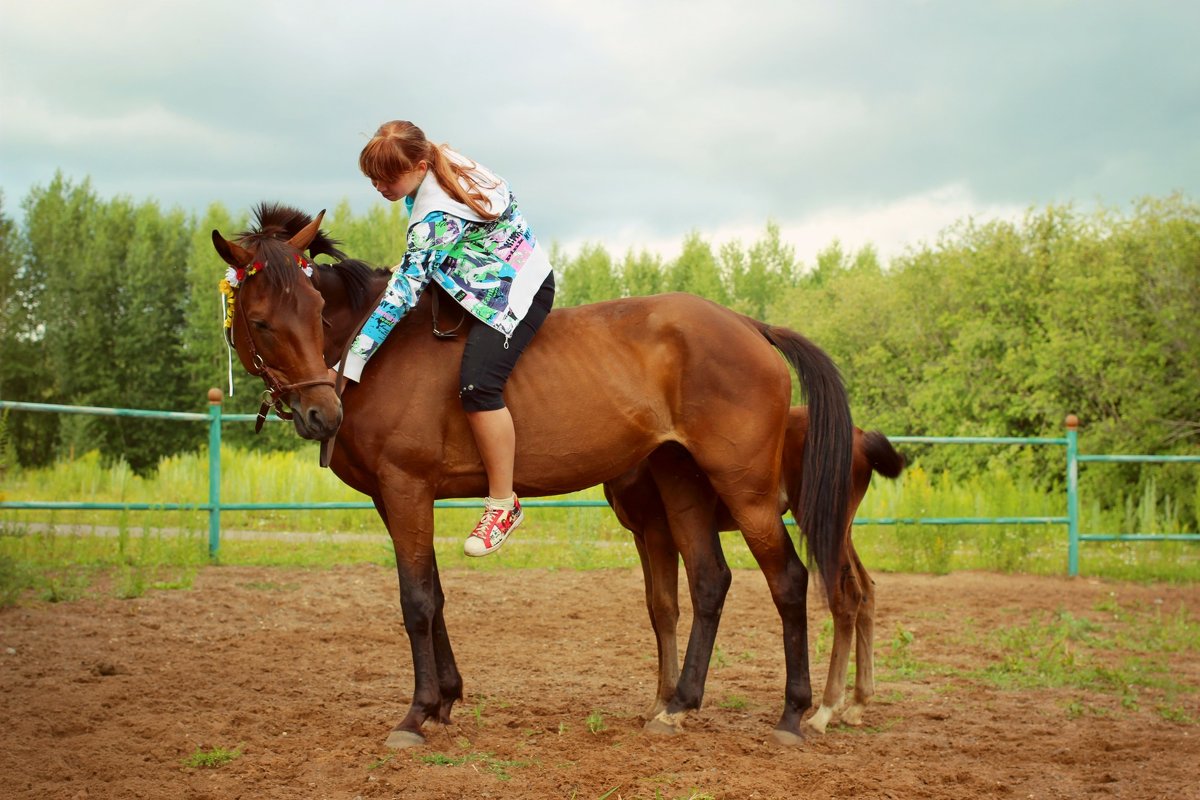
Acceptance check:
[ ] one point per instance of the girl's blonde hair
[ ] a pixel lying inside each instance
(398, 146)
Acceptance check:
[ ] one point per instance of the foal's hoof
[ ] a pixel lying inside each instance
(786, 738)
(853, 715)
(399, 740)
(655, 710)
(665, 724)
(820, 720)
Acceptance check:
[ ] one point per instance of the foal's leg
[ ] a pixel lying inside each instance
(635, 500)
(864, 656)
(660, 570)
(690, 505)
(845, 613)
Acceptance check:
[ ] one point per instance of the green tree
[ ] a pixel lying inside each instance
(13, 307)
(696, 271)
(1004, 327)
(758, 278)
(379, 237)
(588, 278)
(642, 274)
(61, 292)
(147, 357)
(28, 437)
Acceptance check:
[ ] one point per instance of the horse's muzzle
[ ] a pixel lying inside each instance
(318, 421)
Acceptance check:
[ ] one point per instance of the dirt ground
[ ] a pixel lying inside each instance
(304, 673)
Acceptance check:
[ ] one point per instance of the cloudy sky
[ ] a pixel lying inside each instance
(620, 122)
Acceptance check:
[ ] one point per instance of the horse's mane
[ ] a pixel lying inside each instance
(357, 277)
(276, 223)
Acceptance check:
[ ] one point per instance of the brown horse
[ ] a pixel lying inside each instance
(601, 388)
(635, 498)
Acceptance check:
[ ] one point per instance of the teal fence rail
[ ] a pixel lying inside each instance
(215, 418)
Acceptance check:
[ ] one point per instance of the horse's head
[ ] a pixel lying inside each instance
(274, 321)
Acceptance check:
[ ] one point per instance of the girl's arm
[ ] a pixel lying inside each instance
(428, 242)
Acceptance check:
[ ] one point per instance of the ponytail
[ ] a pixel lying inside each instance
(452, 175)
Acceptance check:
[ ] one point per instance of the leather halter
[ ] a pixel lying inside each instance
(272, 396)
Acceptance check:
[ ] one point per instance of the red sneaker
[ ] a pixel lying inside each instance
(493, 529)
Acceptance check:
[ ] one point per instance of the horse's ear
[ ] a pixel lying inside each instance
(234, 255)
(304, 238)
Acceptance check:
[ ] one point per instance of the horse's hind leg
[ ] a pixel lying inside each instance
(787, 579)
(690, 506)
(864, 656)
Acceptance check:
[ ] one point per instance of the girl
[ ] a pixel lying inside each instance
(468, 236)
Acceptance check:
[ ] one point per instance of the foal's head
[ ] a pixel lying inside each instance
(274, 316)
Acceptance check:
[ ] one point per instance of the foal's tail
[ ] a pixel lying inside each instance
(882, 456)
(828, 453)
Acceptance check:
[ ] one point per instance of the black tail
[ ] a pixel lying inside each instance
(882, 456)
(828, 451)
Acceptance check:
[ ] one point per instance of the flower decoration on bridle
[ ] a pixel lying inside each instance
(236, 276)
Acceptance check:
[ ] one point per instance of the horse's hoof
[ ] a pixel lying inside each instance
(399, 740)
(786, 738)
(665, 724)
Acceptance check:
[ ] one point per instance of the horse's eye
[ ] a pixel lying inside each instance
(260, 324)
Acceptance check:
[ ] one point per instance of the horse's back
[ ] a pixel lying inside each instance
(638, 372)
(676, 341)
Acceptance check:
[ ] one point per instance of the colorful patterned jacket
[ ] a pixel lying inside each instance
(492, 268)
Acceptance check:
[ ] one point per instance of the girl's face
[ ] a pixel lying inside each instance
(403, 186)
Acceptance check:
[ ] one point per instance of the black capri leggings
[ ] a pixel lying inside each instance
(487, 363)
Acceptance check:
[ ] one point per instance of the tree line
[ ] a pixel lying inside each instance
(995, 328)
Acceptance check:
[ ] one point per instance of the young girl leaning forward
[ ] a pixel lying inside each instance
(468, 236)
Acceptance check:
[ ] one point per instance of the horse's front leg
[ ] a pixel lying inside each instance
(409, 517)
(449, 680)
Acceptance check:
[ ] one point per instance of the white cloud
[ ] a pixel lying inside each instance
(890, 227)
(150, 126)
(624, 121)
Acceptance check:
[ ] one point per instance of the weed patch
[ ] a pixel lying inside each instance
(210, 759)
(497, 766)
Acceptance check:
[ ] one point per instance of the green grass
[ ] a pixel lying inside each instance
(595, 723)
(734, 702)
(43, 555)
(1121, 653)
(897, 661)
(215, 757)
(496, 766)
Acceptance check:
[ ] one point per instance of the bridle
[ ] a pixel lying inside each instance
(276, 389)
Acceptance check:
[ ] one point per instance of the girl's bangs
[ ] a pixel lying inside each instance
(382, 161)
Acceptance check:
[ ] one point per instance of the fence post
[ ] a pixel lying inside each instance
(1072, 422)
(214, 472)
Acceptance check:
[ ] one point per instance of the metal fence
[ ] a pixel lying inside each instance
(216, 418)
